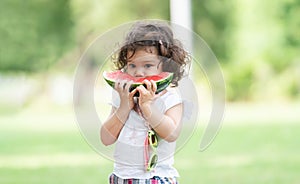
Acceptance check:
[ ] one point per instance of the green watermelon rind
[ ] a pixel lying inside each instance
(161, 84)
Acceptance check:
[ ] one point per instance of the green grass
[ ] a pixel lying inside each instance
(245, 154)
(45, 146)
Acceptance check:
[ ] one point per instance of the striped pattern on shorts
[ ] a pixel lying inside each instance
(113, 179)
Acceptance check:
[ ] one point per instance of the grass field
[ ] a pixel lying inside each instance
(39, 145)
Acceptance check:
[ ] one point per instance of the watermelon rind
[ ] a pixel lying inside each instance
(161, 84)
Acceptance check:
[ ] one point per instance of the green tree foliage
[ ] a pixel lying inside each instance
(291, 27)
(290, 21)
(96, 17)
(34, 34)
(257, 42)
(264, 51)
(147, 9)
(213, 20)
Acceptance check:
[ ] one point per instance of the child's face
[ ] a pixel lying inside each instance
(144, 62)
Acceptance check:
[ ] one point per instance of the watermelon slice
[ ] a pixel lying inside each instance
(162, 80)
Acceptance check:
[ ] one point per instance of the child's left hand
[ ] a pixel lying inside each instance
(147, 96)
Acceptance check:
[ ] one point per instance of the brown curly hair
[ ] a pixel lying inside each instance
(171, 53)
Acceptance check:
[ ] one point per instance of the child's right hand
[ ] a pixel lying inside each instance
(126, 97)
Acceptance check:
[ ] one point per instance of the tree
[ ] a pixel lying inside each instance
(33, 34)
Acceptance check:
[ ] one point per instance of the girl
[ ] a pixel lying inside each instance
(145, 128)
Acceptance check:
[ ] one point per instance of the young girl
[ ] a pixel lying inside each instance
(145, 128)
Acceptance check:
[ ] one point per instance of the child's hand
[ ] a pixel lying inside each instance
(126, 97)
(147, 96)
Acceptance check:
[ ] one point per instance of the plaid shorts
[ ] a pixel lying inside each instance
(113, 179)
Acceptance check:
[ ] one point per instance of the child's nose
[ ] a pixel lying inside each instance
(139, 73)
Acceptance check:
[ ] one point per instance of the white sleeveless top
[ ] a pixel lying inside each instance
(129, 148)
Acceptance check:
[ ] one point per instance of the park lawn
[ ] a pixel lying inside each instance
(248, 154)
(47, 147)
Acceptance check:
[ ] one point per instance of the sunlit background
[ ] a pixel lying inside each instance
(257, 44)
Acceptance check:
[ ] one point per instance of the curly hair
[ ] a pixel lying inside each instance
(170, 51)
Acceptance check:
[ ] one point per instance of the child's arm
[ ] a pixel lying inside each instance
(112, 127)
(168, 125)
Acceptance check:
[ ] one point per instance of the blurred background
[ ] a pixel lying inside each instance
(256, 42)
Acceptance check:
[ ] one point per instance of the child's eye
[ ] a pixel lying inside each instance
(131, 66)
(148, 65)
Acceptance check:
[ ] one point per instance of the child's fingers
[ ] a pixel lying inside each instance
(117, 84)
(121, 85)
(150, 85)
(141, 89)
(131, 94)
(154, 86)
(127, 85)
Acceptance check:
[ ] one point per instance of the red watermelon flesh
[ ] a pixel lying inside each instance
(162, 80)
